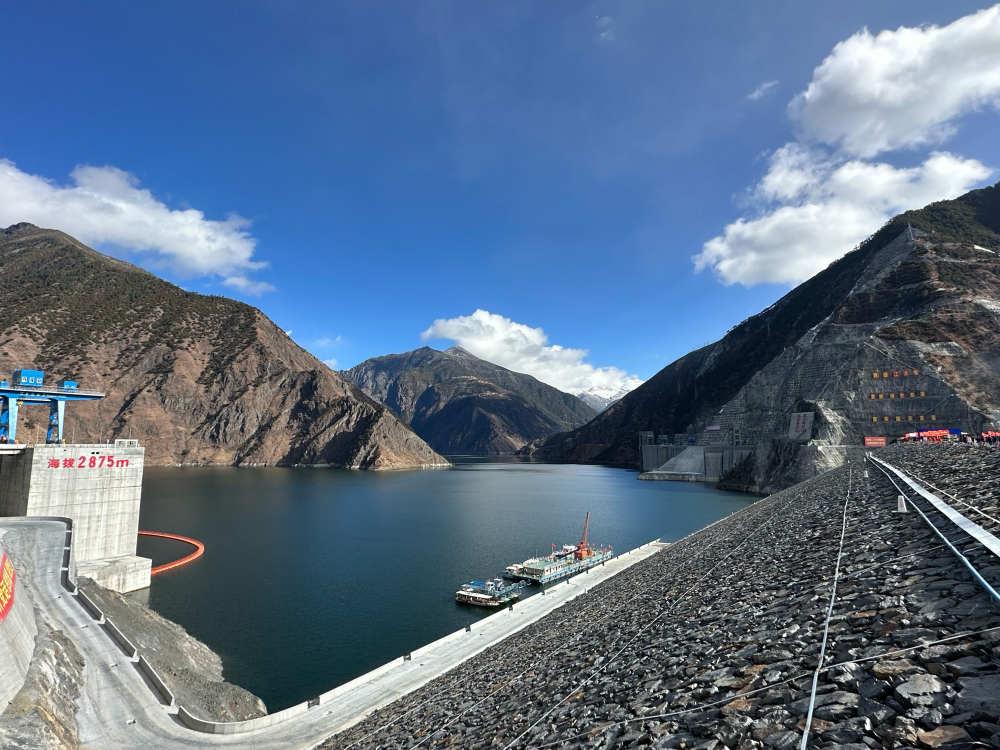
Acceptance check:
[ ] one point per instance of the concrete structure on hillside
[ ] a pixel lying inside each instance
(99, 487)
(656, 450)
(707, 457)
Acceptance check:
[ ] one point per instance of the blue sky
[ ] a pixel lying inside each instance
(555, 165)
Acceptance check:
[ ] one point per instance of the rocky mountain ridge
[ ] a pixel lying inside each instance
(198, 379)
(900, 334)
(599, 402)
(461, 404)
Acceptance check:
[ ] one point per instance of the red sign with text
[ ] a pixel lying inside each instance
(874, 442)
(89, 462)
(8, 576)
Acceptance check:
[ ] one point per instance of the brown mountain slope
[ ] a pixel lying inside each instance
(198, 379)
(461, 404)
(920, 296)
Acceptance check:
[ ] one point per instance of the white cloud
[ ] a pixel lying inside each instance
(326, 342)
(872, 93)
(605, 28)
(522, 348)
(761, 91)
(818, 208)
(248, 286)
(105, 205)
(902, 88)
(330, 362)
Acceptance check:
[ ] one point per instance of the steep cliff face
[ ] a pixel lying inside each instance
(918, 304)
(198, 379)
(459, 403)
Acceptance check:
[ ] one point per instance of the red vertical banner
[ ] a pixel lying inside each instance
(8, 577)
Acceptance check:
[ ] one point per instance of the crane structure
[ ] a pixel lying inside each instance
(583, 549)
(29, 388)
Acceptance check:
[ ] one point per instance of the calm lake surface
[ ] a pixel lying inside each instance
(312, 577)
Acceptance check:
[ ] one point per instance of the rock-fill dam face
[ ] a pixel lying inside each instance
(99, 487)
(17, 629)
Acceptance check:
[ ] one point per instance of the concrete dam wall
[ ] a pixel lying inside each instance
(17, 629)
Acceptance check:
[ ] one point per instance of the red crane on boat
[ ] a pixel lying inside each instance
(583, 549)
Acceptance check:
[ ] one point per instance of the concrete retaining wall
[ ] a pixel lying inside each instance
(100, 488)
(92, 609)
(238, 727)
(17, 640)
(164, 693)
(123, 643)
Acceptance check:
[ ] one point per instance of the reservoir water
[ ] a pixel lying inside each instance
(312, 577)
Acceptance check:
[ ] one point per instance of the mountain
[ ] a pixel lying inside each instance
(599, 400)
(901, 333)
(198, 379)
(461, 404)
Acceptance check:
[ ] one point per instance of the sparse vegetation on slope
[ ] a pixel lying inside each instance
(461, 404)
(200, 379)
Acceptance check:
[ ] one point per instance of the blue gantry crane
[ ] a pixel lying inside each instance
(28, 387)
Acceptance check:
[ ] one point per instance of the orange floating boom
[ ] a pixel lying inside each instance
(199, 550)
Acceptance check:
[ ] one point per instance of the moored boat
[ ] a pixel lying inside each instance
(494, 592)
(562, 563)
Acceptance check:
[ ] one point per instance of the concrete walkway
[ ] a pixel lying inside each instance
(119, 710)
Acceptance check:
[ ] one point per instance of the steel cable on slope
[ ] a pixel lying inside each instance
(771, 686)
(962, 558)
(701, 551)
(643, 650)
(600, 668)
(955, 498)
(820, 667)
(829, 614)
(856, 573)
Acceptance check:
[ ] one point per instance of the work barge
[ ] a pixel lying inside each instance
(562, 563)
